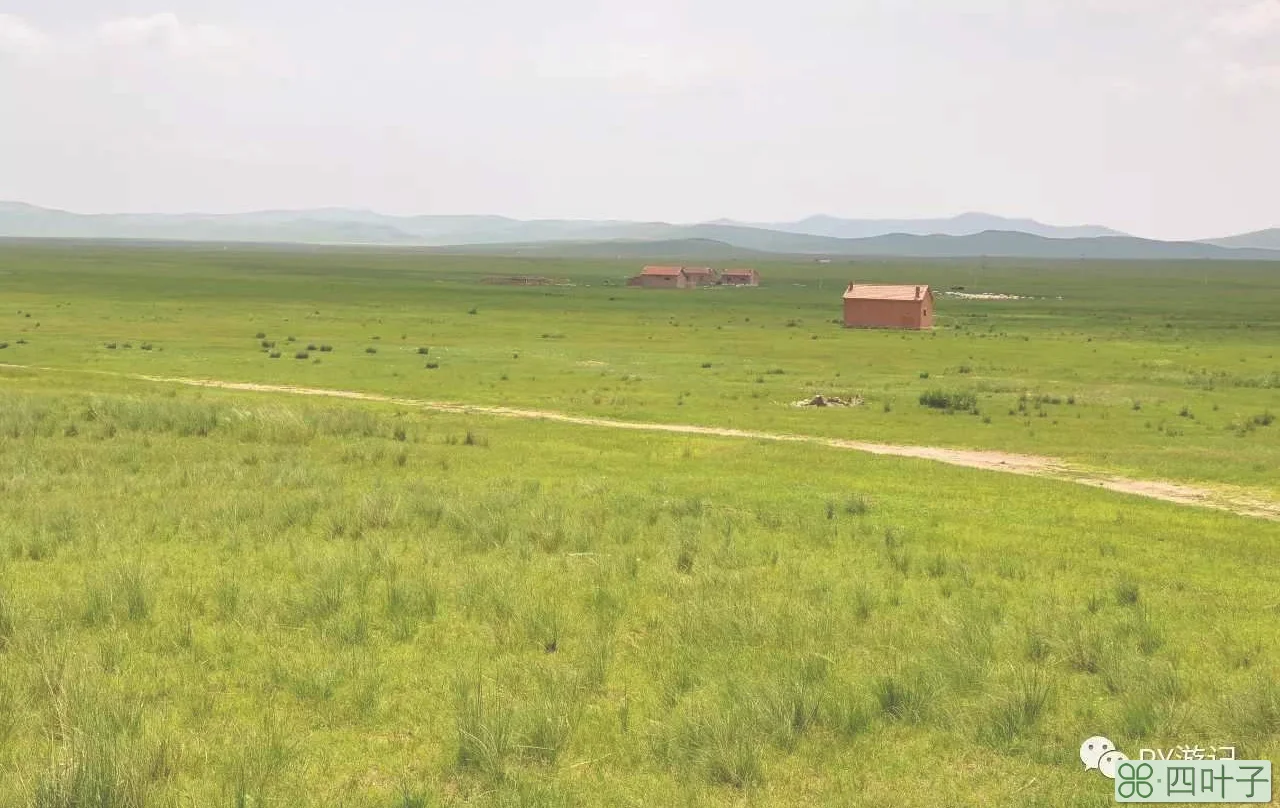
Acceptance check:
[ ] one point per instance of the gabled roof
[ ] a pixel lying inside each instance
(885, 292)
(738, 272)
(699, 271)
(665, 272)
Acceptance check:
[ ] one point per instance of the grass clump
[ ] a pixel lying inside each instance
(485, 725)
(903, 698)
(1017, 712)
(949, 401)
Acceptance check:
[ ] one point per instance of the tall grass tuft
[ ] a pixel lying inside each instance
(486, 736)
(8, 621)
(135, 594)
(903, 698)
(91, 774)
(549, 722)
(1017, 712)
(1127, 592)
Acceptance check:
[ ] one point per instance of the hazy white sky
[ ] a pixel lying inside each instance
(1160, 117)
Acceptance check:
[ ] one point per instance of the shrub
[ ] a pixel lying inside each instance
(260, 335)
(432, 365)
(146, 346)
(326, 348)
(274, 354)
(949, 401)
(4, 345)
(301, 355)
(423, 351)
(1265, 419)
(706, 365)
(371, 350)
(313, 347)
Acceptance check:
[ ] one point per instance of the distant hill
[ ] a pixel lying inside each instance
(815, 236)
(690, 248)
(1259, 239)
(1022, 245)
(993, 244)
(966, 224)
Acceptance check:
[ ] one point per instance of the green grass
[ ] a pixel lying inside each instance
(234, 599)
(245, 599)
(1097, 367)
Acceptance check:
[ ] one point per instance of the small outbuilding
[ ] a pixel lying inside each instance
(740, 277)
(883, 306)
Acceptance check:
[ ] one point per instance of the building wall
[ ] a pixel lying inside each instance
(739, 280)
(914, 314)
(663, 281)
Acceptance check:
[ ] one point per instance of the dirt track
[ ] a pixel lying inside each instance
(1243, 504)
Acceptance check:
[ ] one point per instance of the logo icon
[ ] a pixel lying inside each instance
(1135, 781)
(1092, 750)
(1109, 761)
(1100, 753)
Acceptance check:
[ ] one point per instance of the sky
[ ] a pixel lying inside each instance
(1158, 117)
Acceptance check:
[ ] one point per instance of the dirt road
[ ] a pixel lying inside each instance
(1239, 502)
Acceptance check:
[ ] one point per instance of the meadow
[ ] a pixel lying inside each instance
(221, 598)
(1165, 371)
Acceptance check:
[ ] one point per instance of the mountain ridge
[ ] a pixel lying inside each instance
(812, 235)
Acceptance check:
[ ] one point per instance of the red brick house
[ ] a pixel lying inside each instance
(882, 306)
(701, 276)
(740, 277)
(661, 278)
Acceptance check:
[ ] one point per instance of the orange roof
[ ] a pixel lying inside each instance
(738, 272)
(699, 271)
(885, 292)
(664, 271)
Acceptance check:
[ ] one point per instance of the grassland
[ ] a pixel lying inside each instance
(217, 598)
(1156, 370)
